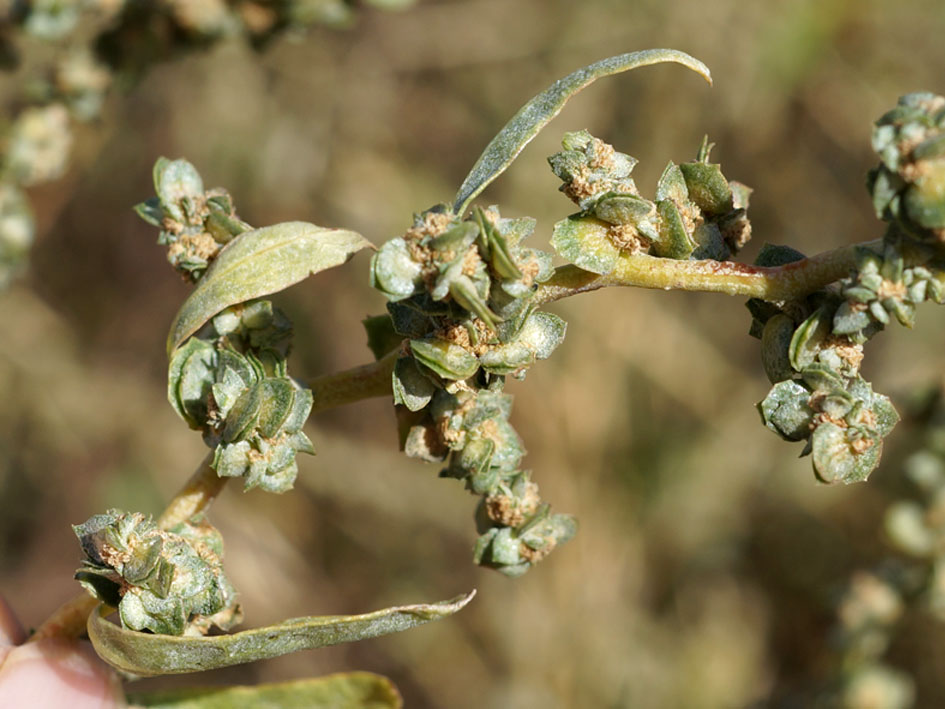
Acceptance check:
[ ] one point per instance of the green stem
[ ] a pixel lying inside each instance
(787, 282)
(196, 496)
(364, 382)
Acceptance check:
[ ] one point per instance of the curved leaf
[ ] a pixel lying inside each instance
(536, 114)
(147, 655)
(347, 690)
(260, 262)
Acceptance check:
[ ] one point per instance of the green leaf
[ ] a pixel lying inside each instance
(775, 344)
(148, 655)
(584, 242)
(808, 338)
(448, 360)
(260, 262)
(538, 338)
(348, 690)
(786, 411)
(674, 241)
(707, 187)
(835, 459)
(536, 114)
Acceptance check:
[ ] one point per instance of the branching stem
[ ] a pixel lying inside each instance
(196, 496)
(786, 282)
(331, 390)
(792, 280)
(364, 382)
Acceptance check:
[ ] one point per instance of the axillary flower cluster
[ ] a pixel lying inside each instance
(812, 348)
(461, 295)
(697, 213)
(168, 582)
(230, 381)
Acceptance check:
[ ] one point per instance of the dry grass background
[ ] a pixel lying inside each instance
(707, 557)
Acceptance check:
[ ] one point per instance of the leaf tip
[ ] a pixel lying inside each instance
(463, 600)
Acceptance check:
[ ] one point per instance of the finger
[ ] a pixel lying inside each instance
(58, 673)
(11, 632)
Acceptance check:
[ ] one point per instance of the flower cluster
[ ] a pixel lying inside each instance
(230, 382)
(879, 605)
(812, 349)
(868, 614)
(195, 224)
(93, 42)
(917, 526)
(166, 581)
(883, 287)
(908, 186)
(34, 149)
(460, 298)
(697, 213)
(818, 394)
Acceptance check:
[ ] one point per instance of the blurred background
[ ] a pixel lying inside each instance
(708, 560)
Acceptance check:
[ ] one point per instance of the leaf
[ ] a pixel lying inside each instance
(809, 337)
(835, 459)
(536, 114)
(260, 262)
(539, 337)
(786, 411)
(448, 360)
(148, 655)
(347, 690)
(584, 241)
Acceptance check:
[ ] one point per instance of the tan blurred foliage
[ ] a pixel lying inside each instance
(707, 557)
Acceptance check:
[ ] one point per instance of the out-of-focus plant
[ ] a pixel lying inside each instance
(877, 604)
(464, 297)
(66, 54)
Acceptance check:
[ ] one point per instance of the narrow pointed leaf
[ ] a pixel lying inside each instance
(260, 262)
(536, 114)
(347, 690)
(147, 655)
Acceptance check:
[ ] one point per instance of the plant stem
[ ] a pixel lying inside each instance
(196, 495)
(364, 382)
(331, 390)
(68, 621)
(786, 282)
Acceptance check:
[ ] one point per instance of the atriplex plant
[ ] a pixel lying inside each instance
(463, 313)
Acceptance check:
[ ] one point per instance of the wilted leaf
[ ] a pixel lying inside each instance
(260, 262)
(146, 655)
(349, 690)
(536, 114)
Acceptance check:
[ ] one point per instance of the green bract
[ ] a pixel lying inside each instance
(697, 213)
(885, 288)
(194, 223)
(460, 295)
(168, 582)
(231, 384)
